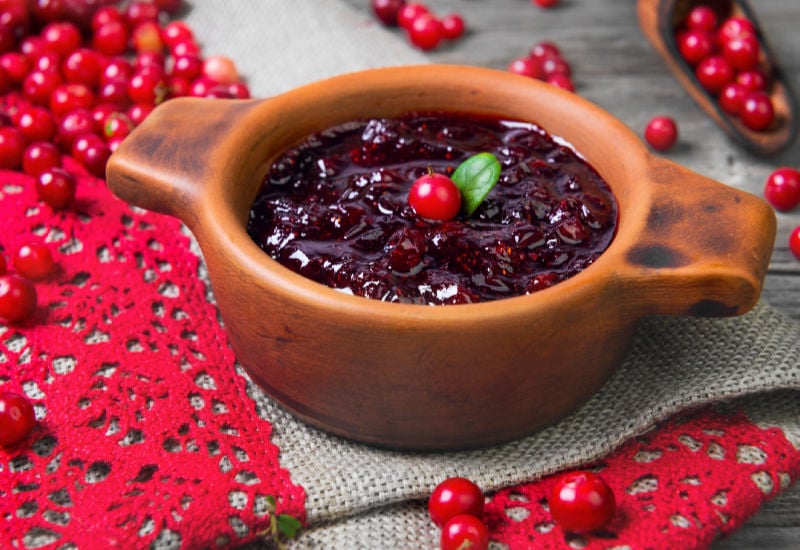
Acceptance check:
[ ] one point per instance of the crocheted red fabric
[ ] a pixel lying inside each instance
(145, 436)
(681, 486)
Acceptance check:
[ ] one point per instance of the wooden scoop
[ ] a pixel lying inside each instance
(660, 19)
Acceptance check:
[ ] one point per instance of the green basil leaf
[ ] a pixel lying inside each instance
(288, 525)
(475, 177)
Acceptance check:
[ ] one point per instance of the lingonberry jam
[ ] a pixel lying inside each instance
(335, 209)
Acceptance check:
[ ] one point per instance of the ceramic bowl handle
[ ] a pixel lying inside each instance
(704, 247)
(168, 162)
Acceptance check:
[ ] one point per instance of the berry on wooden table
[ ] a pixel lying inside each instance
(661, 133)
(794, 242)
(782, 188)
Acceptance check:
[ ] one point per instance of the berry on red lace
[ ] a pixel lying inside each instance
(757, 111)
(782, 188)
(464, 532)
(34, 261)
(12, 146)
(75, 123)
(661, 133)
(794, 242)
(387, 10)
(92, 152)
(435, 197)
(17, 298)
(455, 496)
(17, 419)
(581, 502)
(39, 157)
(56, 187)
(425, 32)
(453, 26)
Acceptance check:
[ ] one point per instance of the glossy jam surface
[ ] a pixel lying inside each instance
(335, 210)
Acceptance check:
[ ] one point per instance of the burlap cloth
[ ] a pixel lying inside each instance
(361, 497)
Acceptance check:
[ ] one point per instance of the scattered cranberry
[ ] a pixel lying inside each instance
(455, 496)
(435, 197)
(387, 10)
(220, 69)
(525, 66)
(453, 26)
(34, 261)
(581, 502)
(545, 62)
(464, 531)
(561, 81)
(17, 298)
(12, 146)
(39, 157)
(661, 133)
(56, 187)
(409, 12)
(545, 3)
(782, 188)
(426, 32)
(794, 242)
(17, 419)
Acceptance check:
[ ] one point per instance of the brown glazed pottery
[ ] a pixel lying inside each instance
(445, 377)
(659, 20)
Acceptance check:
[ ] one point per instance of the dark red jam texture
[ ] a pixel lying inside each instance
(335, 209)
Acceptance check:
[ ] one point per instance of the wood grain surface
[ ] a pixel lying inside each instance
(614, 66)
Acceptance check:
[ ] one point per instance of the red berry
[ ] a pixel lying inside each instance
(12, 146)
(733, 27)
(464, 531)
(702, 18)
(117, 125)
(555, 65)
(426, 32)
(169, 6)
(782, 188)
(36, 124)
(239, 90)
(74, 124)
(545, 3)
(757, 111)
(453, 26)
(561, 81)
(731, 98)
(137, 113)
(62, 37)
(105, 14)
(147, 87)
(92, 152)
(70, 97)
(147, 37)
(794, 242)
(175, 32)
(455, 496)
(17, 419)
(15, 65)
(17, 298)
(2, 264)
(185, 47)
(220, 69)
(409, 12)
(187, 66)
(34, 261)
(387, 10)
(742, 52)
(752, 80)
(435, 196)
(82, 65)
(525, 66)
(40, 157)
(111, 38)
(695, 46)
(39, 86)
(139, 12)
(581, 502)
(661, 133)
(713, 73)
(56, 187)
(544, 49)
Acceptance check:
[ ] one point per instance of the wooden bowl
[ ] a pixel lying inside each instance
(432, 378)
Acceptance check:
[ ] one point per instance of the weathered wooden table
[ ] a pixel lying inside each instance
(614, 66)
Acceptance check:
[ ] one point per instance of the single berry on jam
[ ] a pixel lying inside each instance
(336, 210)
(435, 196)
(455, 496)
(582, 502)
(17, 419)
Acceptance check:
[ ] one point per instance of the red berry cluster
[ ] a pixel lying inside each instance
(782, 191)
(424, 29)
(726, 57)
(545, 62)
(77, 84)
(456, 505)
(32, 262)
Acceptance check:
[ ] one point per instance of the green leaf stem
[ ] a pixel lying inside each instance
(475, 177)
